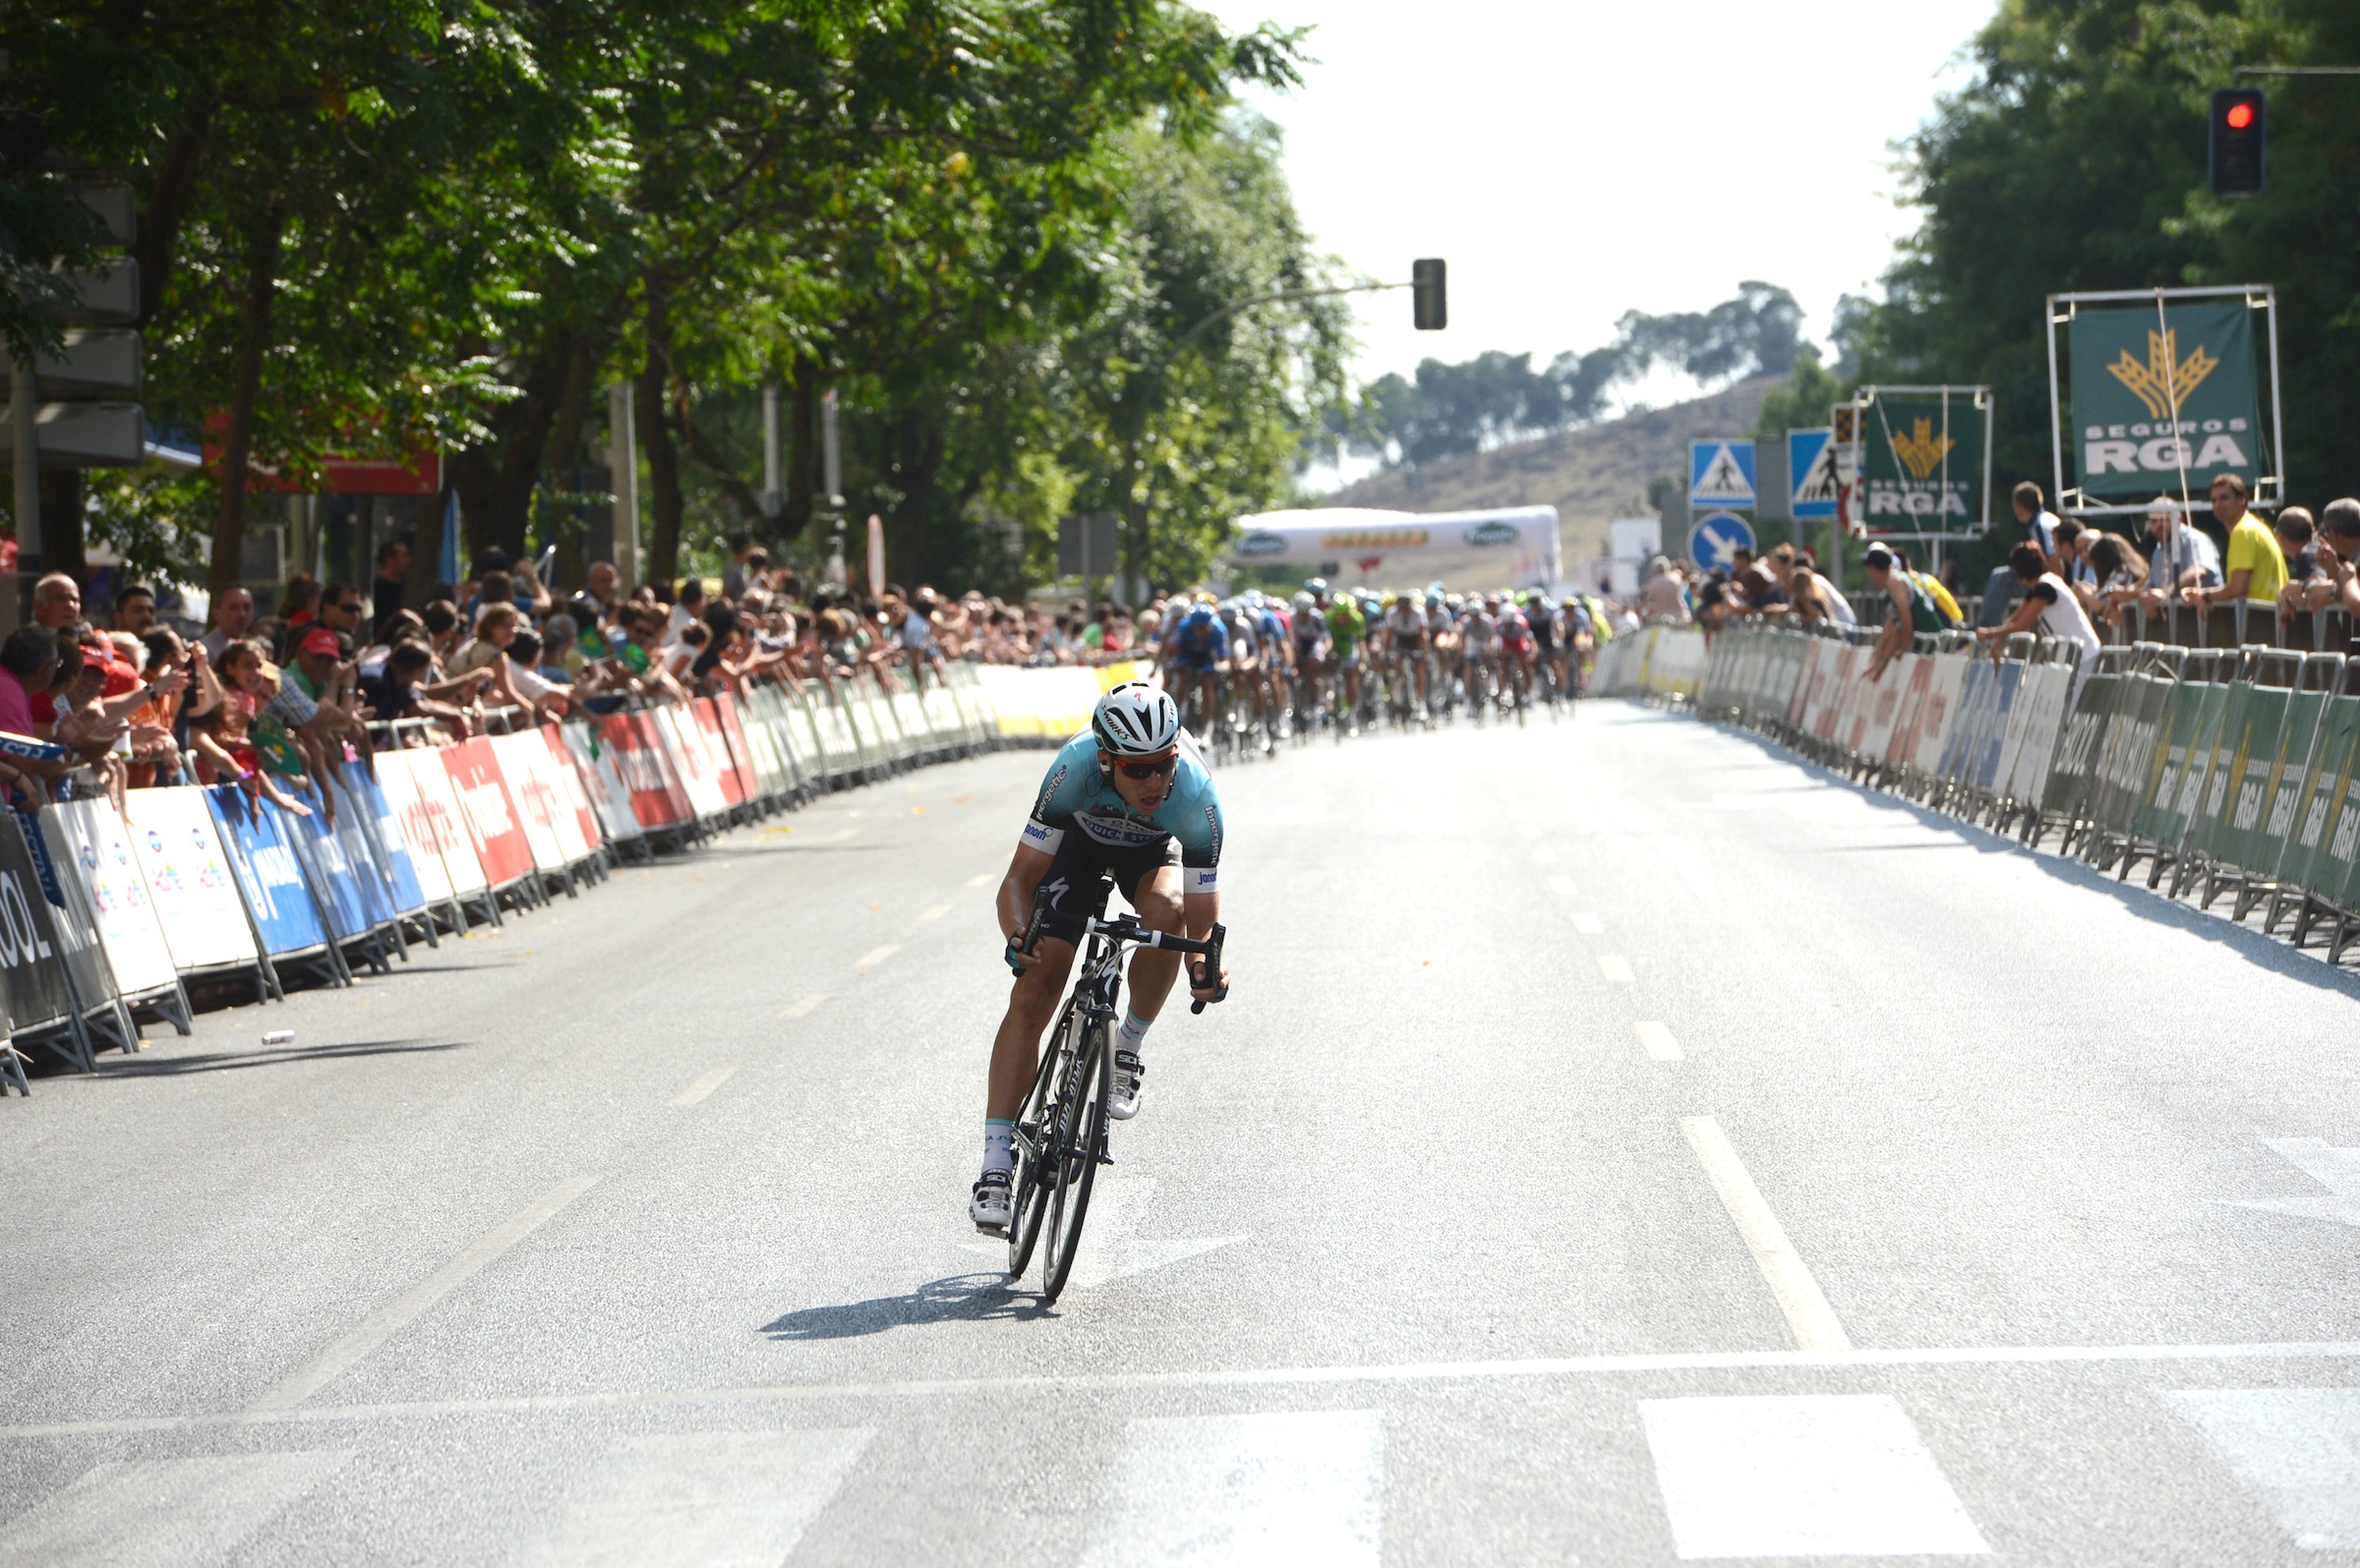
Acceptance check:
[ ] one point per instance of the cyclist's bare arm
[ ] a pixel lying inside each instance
(1015, 903)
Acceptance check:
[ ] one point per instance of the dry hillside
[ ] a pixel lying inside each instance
(1589, 475)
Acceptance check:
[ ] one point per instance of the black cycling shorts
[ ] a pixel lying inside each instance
(1077, 875)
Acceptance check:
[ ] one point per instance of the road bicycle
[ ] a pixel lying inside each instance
(1060, 1135)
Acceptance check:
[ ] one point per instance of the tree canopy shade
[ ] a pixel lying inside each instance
(372, 224)
(1496, 397)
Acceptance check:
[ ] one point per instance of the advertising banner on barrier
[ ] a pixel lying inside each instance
(277, 894)
(32, 976)
(602, 776)
(685, 748)
(705, 733)
(553, 773)
(742, 756)
(535, 799)
(421, 847)
(88, 834)
(352, 896)
(357, 845)
(574, 785)
(655, 796)
(490, 814)
(383, 830)
(188, 876)
(432, 819)
(757, 723)
(73, 927)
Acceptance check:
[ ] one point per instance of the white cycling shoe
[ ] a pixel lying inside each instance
(1123, 1104)
(989, 1208)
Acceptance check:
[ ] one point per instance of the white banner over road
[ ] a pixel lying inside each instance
(1524, 538)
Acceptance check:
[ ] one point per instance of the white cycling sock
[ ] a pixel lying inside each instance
(999, 1145)
(1133, 1033)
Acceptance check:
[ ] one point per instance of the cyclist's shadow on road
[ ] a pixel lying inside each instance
(958, 1299)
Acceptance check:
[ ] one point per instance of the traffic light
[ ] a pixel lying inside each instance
(2238, 121)
(1429, 298)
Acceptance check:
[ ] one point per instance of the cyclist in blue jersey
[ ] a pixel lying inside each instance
(1199, 645)
(1128, 799)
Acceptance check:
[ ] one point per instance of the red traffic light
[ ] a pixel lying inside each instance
(2240, 116)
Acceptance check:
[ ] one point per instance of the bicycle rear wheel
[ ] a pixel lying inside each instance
(1081, 1142)
(1029, 1184)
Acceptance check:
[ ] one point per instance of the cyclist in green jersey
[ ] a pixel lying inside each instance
(1346, 626)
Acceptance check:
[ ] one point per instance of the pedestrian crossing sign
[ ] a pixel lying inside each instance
(1811, 458)
(1720, 473)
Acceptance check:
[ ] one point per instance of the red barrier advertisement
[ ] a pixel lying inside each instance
(656, 800)
(489, 810)
(717, 747)
(570, 777)
(742, 756)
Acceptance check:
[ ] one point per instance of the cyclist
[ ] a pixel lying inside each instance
(1310, 630)
(1199, 645)
(1129, 799)
(1477, 636)
(1271, 630)
(1405, 640)
(1346, 626)
(1515, 642)
(1246, 658)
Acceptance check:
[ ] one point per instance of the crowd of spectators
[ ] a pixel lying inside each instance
(335, 669)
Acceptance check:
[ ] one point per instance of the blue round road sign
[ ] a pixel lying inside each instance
(1717, 538)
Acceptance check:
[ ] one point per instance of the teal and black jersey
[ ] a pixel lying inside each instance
(1077, 797)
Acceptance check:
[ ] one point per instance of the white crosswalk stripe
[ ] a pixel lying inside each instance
(698, 1501)
(2296, 1449)
(1273, 1491)
(161, 1513)
(1801, 1476)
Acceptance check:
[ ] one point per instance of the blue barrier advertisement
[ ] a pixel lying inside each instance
(342, 893)
(383, 831)
(268, 873)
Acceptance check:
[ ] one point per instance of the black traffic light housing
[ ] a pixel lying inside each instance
(1429, 298)
(2234, 150)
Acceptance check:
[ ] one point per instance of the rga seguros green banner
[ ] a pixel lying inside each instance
(1921, 461)
(2157, 393)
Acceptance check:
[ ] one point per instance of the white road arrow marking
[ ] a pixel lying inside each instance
(2337, 1170)
(1111, 1248)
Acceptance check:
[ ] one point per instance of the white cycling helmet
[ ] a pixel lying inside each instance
(1135, 720)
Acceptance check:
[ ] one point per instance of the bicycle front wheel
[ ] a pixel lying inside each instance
(1036, 1133)
(1081, 1144)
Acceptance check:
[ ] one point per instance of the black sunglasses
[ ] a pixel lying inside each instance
(1148, 770)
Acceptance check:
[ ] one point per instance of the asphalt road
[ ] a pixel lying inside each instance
(1623, 1144)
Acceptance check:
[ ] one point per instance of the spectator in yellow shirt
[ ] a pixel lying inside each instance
(2256, 570)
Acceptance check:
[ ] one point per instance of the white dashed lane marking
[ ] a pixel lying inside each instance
(162, 1512)
(1658, 1041)
(1808, 1316)
(1801, 1475)
(1616, 968)
(1276, 1490)
(704, 1085)
(699, 1500)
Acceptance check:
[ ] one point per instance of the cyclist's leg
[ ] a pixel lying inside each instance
(1016, 1050)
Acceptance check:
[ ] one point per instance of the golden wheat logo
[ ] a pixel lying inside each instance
(2164, 381)
(1921, 451)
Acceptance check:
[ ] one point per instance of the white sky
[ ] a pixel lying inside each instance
(1572, 162)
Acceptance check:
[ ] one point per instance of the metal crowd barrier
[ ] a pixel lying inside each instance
(2228, 774)
(109, 914)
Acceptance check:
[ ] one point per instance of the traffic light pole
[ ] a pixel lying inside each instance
(1154, 375)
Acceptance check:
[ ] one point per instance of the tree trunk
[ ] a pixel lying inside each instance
(665, 502)
(562, 462)
(264, 231)
(520, 457)
(426, 540)
(474, 478)
(167, 204)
